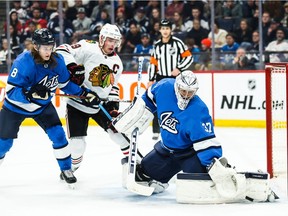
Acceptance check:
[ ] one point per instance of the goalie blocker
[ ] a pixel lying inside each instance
(223, 184)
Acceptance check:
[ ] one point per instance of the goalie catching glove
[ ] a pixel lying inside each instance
(77, 73)
(38, 91)
(137, 115)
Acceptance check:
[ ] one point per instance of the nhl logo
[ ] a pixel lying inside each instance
(172, 51)
(252, 84)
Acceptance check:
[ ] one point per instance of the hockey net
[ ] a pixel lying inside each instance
(276, 119)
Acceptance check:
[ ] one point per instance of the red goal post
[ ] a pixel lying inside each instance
(276, 118)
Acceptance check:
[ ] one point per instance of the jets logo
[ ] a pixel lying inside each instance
(168, 122)
(50, 83)
(102, 76)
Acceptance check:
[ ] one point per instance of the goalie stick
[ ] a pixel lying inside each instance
(131, 184)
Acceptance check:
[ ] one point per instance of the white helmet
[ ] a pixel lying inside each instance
(111, 31)
(186, 86)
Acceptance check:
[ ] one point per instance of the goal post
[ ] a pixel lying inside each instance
(276, 78)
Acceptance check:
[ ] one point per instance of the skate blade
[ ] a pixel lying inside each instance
(72, 186)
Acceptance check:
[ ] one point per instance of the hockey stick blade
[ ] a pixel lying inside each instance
(131, 184)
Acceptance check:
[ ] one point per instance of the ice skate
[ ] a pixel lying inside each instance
(68, 177)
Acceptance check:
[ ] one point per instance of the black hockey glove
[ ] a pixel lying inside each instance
(38, 91)
(112, 107)
(77, 73)
(90, 98)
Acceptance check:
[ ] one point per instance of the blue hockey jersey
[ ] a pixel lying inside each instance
(183, 129)
(25, 73)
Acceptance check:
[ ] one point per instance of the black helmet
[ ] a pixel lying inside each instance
(165, 22)
(43, 37)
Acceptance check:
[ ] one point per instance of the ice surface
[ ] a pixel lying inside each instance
(30, 185)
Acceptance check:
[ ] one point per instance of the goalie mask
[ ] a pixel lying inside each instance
(111, 31)
(186, 86)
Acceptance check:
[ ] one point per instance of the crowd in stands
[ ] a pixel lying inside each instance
(235, 28)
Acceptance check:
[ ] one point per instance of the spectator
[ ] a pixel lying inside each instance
(4, 52)
(254, 49)
(40, 5)
(153, 6)
(155, 16)
(96, 12)
(133, 37)
(284, 21)
(126, 7)
(188, 5)
(278, 45)
(22, 13)
(81, 24)
(14, 40)
(219, 36)
(231, 15)
(54, 26)
(243, 34)
(197, 32)
(155, 34)
(144, 49)
(97, 24)
(120, 21)
(205, 57)
(15, 22)
(266, 20)
(248, 8)
(28, 45)
(36, 18)
(141, 20)
(178, 28)
(28, 32)
(52, 6)
(274, 24)
(241, 61)
(190, 42)
(174, 6)
(228, 51)
(196, 15)
(72, 11)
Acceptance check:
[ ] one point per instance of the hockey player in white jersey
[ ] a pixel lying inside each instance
(188, 144)
(96, 66)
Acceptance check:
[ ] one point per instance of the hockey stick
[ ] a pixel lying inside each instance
(131, 184)
(83, 97)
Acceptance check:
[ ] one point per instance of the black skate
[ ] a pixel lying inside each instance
(68, 177)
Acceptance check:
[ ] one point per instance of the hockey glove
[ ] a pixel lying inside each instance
(38, 91)
(90, 98)
(112, 107)
(77, 73)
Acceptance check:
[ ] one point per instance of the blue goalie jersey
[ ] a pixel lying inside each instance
(183, 129)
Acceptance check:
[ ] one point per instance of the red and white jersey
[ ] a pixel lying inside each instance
(102, 72)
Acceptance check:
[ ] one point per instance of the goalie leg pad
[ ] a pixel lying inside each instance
(198, 188)
(228, 183)
(141, 178)
(136, 115)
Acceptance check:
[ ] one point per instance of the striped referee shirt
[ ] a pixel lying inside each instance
(168, 56)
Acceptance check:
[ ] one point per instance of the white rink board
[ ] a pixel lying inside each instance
(237, 96)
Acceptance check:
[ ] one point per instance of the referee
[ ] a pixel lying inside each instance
(170, 56)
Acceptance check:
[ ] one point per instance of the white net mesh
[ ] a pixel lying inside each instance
(279, 121)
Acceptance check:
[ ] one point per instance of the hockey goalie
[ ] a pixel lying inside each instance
(188, 148)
